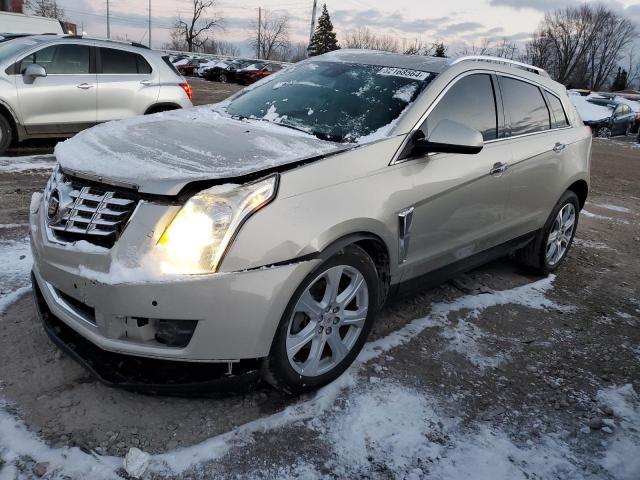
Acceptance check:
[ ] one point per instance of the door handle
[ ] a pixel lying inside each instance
(85, 86)
(498, 169)
(558, 147)
(145, 82)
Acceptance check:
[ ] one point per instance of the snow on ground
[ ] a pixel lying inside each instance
(591, 244)
(608, 206)
(23, 164)
(16, 266)
(586, 213)
(409, 433)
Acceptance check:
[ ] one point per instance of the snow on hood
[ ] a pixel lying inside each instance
(588, 111)
(161, 153)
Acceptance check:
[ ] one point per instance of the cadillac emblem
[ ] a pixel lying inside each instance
(53, 206)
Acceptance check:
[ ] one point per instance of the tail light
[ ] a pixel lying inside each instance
(188, 90)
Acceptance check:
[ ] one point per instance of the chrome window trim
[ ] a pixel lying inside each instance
(423, 118)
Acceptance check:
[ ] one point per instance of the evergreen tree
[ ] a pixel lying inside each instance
(441, 50)
(324, 38)
(620, 80)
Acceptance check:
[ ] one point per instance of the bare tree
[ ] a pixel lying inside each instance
(271, 36)
(363, 38)
(221, 47)
(176, 41)
(483, 48)
(193, 31)
(45, 8)
(581, 45)
(633, 64)
(297, 51)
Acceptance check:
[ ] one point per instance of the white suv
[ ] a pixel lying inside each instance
(53, 86)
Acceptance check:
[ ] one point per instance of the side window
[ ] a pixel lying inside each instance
(525, 106)
(122, 62)
(558, 111)
(61, 59)
(471, 102)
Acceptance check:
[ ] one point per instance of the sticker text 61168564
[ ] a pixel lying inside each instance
(404, 73)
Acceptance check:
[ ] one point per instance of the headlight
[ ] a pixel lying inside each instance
(198, 236)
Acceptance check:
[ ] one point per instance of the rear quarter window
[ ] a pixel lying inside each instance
(557, 109)
(122, 62)
(524, 106)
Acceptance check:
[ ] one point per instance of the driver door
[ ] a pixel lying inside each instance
(460, 199)
(63, 102)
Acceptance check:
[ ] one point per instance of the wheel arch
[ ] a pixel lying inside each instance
(375, 247)
(581, 189)
(8, 114)
(162, 107)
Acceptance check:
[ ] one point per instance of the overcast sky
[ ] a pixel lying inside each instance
(452, 21)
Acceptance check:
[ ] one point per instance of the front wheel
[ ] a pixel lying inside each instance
(325, 324)
(223, 78)
(6, 134)
(603, 132)
(549, 248)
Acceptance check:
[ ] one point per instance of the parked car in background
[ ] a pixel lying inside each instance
(199, 71)
(226, 72)
(190, 65)
(19, 23)
(262, 237)
(606, 117)
(55, 86)
(255, 72)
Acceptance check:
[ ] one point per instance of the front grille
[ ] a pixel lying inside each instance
(89, 211)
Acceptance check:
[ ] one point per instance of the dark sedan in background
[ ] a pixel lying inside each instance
(225, 72)
(255, 72)
(622, 121)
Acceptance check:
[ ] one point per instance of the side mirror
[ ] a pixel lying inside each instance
(34, 71)
(449, 137)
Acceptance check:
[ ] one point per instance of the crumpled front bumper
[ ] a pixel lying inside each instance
(237, 313)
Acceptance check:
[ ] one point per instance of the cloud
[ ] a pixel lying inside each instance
(541, 5)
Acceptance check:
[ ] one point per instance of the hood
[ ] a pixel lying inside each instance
(161, 153)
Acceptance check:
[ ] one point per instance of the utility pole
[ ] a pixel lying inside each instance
(313, 19)
(259, 31)
(149, 23)
(108, 26)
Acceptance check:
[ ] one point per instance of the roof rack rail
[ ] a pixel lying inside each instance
(487, 58)
(121, 42)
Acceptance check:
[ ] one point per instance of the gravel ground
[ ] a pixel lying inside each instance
(496, 375)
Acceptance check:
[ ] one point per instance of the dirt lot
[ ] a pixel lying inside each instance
(499, 375)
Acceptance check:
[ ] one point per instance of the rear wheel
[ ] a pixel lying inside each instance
(549, 248)
(325, 324)
(6, 134)
(223, 78)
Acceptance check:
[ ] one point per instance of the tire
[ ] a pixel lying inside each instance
(603, 132)
(536, 255)
(330, 344)
(6, 134)
(223, 78)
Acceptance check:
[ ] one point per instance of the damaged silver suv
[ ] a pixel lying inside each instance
(260, 236)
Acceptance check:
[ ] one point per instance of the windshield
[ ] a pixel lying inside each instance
(10, 48)
(332, 100)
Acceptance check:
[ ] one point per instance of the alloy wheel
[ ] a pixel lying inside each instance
(327, 320)
(561, 234)
(604, 132)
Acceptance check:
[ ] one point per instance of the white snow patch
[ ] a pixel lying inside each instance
(12, 225)
(16, 267)
(615, 208)
(406, 93)
(621, 458)
(588, 214)
(591, 244)
(136, 462)
(25, 164)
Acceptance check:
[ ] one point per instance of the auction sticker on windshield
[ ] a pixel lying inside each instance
(404, 73)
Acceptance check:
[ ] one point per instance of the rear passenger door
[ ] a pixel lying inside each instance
(127, 84)
(539, 145)
(459, 207)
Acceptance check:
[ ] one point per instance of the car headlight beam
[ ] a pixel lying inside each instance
(199, 235)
